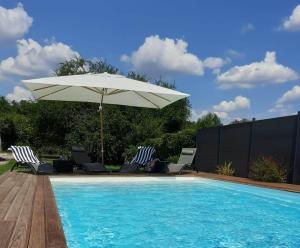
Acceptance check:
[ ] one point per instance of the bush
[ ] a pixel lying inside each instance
(226, 169)
(173, 159)
(267, 170)
(130, 152)
(170, 144)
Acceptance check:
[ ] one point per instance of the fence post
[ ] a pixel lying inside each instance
(219, 143)
(250, 145)
(296, 162)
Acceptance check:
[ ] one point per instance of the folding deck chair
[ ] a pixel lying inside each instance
(143, 157)
(186, 159)
(83, 161)
(24, 156)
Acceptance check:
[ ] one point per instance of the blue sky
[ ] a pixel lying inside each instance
(214, 50)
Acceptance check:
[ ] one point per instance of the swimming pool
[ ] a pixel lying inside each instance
(165, 212)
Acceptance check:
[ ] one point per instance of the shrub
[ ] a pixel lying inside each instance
(170, 144)
(130, 152)
(226, 169)
(267, 170)
(173, 159)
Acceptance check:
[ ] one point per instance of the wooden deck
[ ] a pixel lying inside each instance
(28, 212)
(295, 188)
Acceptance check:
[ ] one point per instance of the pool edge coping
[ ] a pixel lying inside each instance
(191, 176)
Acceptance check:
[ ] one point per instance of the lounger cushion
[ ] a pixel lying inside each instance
(45, 169)
(175, 168)
(187, 152)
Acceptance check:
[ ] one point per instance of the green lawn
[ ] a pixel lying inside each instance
(9, 164)
(112, 167)
(6, 167)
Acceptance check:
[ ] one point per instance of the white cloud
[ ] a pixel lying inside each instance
(290, 96)
(239, 102)
(19, 94)
(224, 109)
(214, 62)
(249, 27)
(287, 103)
(159, 57)
(267, 71)
(222, 115)
(164, 56)
(196, 114)
(292, 23)
(35, 60)
(14, 23)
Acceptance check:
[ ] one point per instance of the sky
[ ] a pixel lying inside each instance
(238, 59)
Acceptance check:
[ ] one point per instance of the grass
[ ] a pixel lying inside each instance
(6, 167)
(112, 167)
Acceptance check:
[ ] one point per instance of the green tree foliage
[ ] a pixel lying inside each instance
(53, 127)
(208, 120)
(240, 121)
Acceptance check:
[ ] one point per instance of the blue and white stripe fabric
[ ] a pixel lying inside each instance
(24, 154)
(143, 156)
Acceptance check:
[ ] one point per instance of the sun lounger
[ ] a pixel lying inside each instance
(83, 161)
(186, 158)
(24, 156)
(143, 157)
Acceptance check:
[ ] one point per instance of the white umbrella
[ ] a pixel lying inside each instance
(102, 88)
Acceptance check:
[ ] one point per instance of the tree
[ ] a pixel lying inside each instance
(208, 120)
(236, 121)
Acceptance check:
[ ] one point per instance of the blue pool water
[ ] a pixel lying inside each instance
(175, 213)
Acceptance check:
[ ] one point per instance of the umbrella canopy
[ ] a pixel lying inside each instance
(102, 88)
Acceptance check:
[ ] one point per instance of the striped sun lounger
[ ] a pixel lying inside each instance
(142, 158)
(24, 156)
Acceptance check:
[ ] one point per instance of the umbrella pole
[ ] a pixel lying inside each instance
(101, 130)
(101, 136)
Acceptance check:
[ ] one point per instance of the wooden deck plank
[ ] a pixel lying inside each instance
(28, 212)
(14, 210)
(37, 234)
(3, 177)
(20, 236)
(10, 196)
(5, 187)
(6, 229)
(7, 201)
(55, 237)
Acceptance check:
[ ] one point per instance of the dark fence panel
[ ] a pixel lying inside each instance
(275, 138)
(207, 149)
(296, 162)
(234, 147)
(243, 143)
